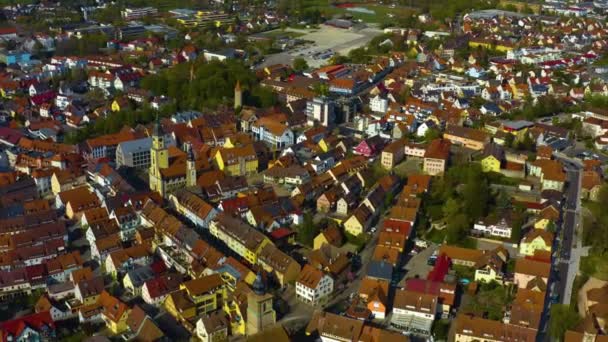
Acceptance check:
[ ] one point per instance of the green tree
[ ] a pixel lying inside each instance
(431, 134)
(300, 64)
(307, 231)
(562, 318)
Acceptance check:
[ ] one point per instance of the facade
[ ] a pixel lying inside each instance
(320, 110)
(260, 314)
(436, 157)
(313, 286)
(170, 174)
(136, 153)
(414, 312)
(392, 154)
(536, 240)
(237, 161)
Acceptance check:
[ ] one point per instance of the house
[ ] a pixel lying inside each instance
(313, 286)
(274, 131)
(127, 258)
(155, 291)
(493, 157)
(38, 327)
(446, 293)
(75, 201)
(237, 161)
(194, 208)
(468, 137)
(58, 309)
(135, 278)
(331, 235)
(374, 294)
(370, 147)
(207, 293)
(392, 154)
(546, 216)
(536, 240)
(489, 268)
(414, 312)
(331, 327)
(213, 327)
(436, 157)
(529, 271)
(495, 226)
(87, 291)
(468, 328)
(141, 327)
(359, 221)
(461, 256)
(279, 265)
(114, 313)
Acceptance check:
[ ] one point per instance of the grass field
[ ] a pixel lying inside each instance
(380, 15)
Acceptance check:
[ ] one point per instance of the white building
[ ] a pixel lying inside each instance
(313, 286)
(378, 104)
(414, 312)
(321, 110)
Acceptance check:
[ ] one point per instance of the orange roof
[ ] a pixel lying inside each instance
(438, 149)
(310, 277)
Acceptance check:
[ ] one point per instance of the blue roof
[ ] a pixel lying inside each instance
(380, 270)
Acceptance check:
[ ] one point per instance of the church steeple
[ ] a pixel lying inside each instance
(190, 166)
(238, 95)
(159, 158)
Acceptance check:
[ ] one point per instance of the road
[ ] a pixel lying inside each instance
(566, 261)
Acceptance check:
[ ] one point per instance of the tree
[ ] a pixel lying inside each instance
(431, 134)
(457, 229)
(300, 64)
(562, 318)
(307, 231)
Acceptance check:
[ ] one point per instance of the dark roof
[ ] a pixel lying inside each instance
(380, 270)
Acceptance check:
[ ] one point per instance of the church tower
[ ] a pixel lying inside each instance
(159, 158)
(190, 167)
(260, 314)
(238, 95)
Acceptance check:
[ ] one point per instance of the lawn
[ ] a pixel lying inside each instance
(381, 12)
(595, 266)
(408, 167)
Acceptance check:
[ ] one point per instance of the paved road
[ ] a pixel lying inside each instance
(567, 259)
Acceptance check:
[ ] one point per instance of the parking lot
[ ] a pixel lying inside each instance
(324, 43)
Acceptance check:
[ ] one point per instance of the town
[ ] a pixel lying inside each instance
(304, 170)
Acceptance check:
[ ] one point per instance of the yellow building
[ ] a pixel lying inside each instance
(490, 164)
(331, 236)
(207, 293)
(238, 161)
(180, 306)
(546, 216)
(536, 240)
(239, 237)
(114, 313)
(491, 45)
(357, 223)
(173, 169)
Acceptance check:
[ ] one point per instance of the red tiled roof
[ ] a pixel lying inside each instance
(35, 321)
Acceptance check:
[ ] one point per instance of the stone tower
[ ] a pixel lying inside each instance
(260, 314)
(238, 95)
(190, 167)
(159, 158)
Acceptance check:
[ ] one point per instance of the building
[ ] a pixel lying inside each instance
(392, 154)
(207, 293)
(321, 110)
(213, 327)
(436, 157)
(467, 137)
(531, 271)
(468, 328)
(137, 13)
(237, 161)
(493, 156)
(194, 208)
(238, 95)
(171, 171)
(414, 312)
(536, 240)
(273, 132)
(260, 313)
(313, 286)
(136, 153)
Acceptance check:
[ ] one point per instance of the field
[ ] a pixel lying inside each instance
(378, 13)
